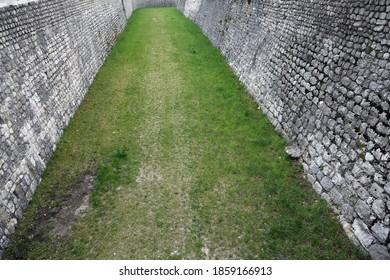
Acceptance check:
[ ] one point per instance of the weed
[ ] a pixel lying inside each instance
(360, 145)
(120, 154)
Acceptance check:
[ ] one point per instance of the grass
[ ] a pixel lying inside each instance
(185, 165)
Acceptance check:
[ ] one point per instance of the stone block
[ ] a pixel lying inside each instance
(317, 187)
(336, 197)
(311, 178)
(369, 157)
(19, 51)
(379, 252)
(326, 183)
(386, 220)
(326, 197)
(362, 233)
(338, 180)
(363, 211)
(379, 208)
(293, 151)
(368, 168)
(381, 232)
(376, 190)
(347, 212)
(387, 189)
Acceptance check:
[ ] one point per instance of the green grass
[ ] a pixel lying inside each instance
(186, 166)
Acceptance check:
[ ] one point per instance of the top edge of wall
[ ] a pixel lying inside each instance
(6, 3)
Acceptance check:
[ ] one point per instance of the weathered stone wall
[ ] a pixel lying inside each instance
(320, 70)
(131, 5)
(153, 3)
(50, 51)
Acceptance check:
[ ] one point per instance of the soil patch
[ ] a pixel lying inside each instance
(58, 221)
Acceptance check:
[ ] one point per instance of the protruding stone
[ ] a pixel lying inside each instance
(293, 151)
(336, 197)
(380, 232)
(387, 188)
(347, 212)
(362, 233)
(369, 157)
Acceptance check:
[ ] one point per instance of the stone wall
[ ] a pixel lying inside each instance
(320, 70)
(153, 3)
(131, 5)
(50, 51)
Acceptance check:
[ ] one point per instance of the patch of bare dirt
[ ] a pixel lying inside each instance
(59, 221)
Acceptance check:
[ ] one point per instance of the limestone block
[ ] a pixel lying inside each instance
(362, 233)
(380, 232)
(376, 190)
(363, 211)
(379, 208)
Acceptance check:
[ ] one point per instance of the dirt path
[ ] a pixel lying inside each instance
(164, 216)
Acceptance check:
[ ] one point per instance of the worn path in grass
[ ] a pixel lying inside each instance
(181, 164)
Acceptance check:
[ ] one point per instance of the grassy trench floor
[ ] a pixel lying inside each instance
(181, 163)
